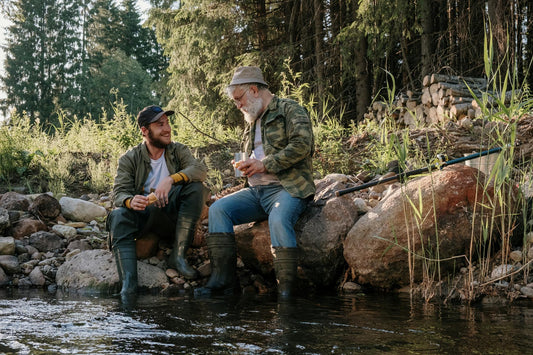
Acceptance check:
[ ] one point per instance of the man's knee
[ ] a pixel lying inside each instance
(117, 215)
(193, 190)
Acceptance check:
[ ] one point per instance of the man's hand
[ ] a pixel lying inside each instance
(162, 191)
(250, 167)
(139, 202)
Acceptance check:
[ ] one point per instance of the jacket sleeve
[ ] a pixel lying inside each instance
(124, 185)
(188, 165)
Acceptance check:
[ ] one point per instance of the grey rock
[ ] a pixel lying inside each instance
(10, 264)
(24, 282)
(31, 249)
(527, 291)
(45, 241)
(79, 210)
(501, 271)
(5, 223)
(37, 277)
(7, 246)
(351, 287)
(45, 207)
(81, 245)
(65, 231)
(4, 279)
(14, 201)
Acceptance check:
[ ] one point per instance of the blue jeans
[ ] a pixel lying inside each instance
(258, 203)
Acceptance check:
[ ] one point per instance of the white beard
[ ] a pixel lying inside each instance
(253, 109)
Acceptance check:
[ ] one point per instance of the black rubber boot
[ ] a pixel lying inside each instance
(126, 260)
(285, 266)
(223, 256)
(185, 228)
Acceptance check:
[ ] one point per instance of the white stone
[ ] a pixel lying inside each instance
(80, 210)
(361, 205)
(337, 177)
(527, 291)
(65, 231)
(501, 270)
(351, 287)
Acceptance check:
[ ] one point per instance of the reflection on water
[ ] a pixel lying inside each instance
(34, 322)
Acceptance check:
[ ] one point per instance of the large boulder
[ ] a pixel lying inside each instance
(96, 271)
(432, 216)
(320, 233)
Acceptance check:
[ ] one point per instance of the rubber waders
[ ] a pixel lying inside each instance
(223, 256)
(285, 266)
(126, 259)
(185, 228)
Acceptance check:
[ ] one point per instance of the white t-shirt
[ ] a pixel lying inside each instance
(259, 154)
(158, 173)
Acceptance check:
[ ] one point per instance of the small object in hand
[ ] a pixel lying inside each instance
(238, 159)
(152, 198)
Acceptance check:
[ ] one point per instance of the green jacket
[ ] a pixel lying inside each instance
(134, 167)
(288, 143)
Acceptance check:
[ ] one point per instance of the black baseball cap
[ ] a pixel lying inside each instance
(150, 114)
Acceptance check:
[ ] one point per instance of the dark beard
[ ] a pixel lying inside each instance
(156, 142)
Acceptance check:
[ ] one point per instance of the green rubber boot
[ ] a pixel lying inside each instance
(285, 266)
(185, 228)
(223, 256)
(126, 260)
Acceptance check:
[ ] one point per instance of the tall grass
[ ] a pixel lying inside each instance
(501, 209)
(76, 154)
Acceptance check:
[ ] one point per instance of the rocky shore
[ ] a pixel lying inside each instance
(62, 243)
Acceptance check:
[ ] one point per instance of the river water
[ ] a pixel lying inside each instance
(33, 322)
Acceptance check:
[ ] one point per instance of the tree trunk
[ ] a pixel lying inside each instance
(426, 40)
(319, 61)
(362, 77)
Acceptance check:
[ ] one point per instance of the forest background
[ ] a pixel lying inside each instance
(73, 67)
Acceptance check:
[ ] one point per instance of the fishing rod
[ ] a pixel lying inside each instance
(401, 176)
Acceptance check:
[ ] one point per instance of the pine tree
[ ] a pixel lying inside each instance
(42, 57)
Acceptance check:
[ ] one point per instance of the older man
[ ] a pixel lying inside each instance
(279, 141)
(158, 183)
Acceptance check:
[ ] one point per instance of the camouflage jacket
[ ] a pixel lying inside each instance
(288, 143)
(134, 167)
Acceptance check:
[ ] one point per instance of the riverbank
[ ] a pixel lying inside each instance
(31, 257)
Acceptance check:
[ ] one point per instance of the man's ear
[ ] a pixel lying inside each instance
(254, 90)
(144, 131)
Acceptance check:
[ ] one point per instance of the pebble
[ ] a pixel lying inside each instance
(516, 255)
(527, 291)
(351, 287)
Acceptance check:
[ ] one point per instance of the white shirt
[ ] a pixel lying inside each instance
(259, 154)
(159, 172)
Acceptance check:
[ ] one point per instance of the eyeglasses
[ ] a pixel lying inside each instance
(156, 109)
(237, 100)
